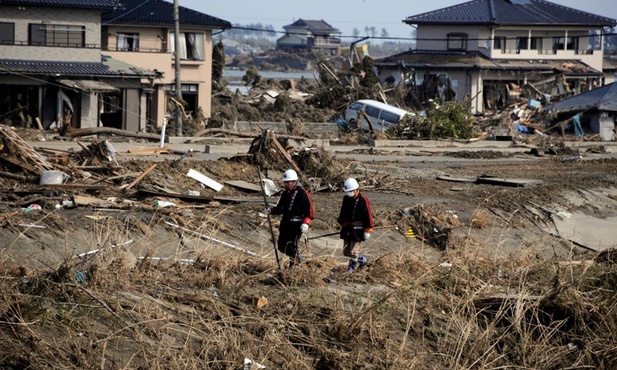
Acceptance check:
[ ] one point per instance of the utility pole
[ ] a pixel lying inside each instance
(177, 69)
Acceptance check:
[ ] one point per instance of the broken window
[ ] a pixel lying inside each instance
(457, 41)
(191, 46)
(7, 33)
(595, 40)
(127, 41)
(56, 35)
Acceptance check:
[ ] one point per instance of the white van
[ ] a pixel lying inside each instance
(382, 115)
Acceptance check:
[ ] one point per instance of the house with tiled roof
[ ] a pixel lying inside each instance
(51, 67)
(310, 35)
(141, 33)
(91, 63)
(481, 50)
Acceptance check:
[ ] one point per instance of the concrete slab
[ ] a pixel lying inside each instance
(594, 233)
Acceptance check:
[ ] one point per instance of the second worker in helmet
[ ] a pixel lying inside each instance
(356, 221)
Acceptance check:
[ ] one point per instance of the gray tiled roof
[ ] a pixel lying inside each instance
(315, 26)
(602, 98)
(510, 12)
(65, 69)
(98, 4)
(160, 13)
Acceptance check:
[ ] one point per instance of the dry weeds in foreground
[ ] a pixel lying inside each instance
(401, 312)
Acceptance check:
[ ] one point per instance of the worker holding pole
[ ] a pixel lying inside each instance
(296, 208)
(356, 221)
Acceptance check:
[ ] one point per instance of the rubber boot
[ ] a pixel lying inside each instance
(361, 260)
(351, 266)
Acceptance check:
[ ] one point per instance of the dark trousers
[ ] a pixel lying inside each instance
(289, 235)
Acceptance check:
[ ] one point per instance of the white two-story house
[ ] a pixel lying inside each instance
(486, 50)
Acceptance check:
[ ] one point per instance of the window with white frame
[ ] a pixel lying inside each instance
(127, 41)
(191, 47)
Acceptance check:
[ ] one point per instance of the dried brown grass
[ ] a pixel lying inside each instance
(114, 310)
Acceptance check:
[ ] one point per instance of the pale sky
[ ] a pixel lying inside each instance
(349, 14)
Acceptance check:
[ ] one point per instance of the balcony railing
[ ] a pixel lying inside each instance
(546, 51)
(52, 44)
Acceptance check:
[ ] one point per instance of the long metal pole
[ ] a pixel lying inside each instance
(178, 114)
(263, 192)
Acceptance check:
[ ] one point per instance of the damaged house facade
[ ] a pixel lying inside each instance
(489, 51)
(92, 63)
(52, 72)
(145, 38)
(310, 35)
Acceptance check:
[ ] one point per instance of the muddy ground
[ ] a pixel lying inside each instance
(418, 211)
(404, 195)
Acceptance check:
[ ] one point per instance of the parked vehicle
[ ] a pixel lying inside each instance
(382, 115)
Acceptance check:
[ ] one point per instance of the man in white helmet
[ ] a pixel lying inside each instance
(356, 221)
(296, 207)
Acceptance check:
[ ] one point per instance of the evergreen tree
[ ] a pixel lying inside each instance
(218, 63)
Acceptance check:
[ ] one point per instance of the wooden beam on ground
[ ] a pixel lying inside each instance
(279, 147)
(140, 177)
(77, 132)
(22, 178)
(214, 131)
(150, 151)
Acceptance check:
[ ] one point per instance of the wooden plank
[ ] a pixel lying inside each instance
(16, 162)
(184, 197)
(456, 179)
(81, 200)
(244, 185)
(38, 123)
(150, 151)
(284, 153)
(74, 186)
(204, 180)
(508, 182)
(140, 177)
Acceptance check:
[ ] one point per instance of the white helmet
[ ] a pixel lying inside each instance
(350, 185)
(290, 175)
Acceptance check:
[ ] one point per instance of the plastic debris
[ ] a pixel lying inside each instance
(163, 204)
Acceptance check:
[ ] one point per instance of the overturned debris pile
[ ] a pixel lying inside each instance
(17, 153)
(316, 166)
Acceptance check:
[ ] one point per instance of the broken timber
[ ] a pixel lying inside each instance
(492, 181)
